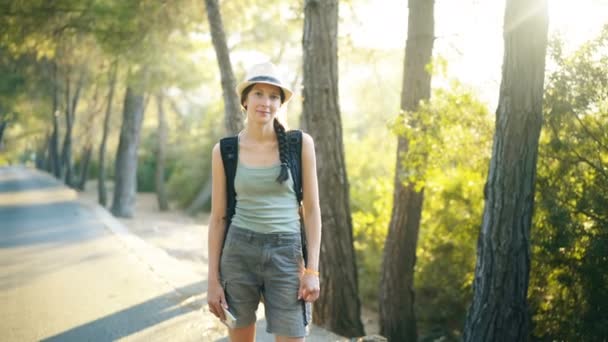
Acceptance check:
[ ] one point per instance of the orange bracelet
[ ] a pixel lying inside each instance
(309, 271)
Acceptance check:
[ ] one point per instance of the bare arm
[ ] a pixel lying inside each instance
(217, 229)
(218, 212)
(312, 211)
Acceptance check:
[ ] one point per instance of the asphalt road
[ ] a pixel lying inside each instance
(65, 276)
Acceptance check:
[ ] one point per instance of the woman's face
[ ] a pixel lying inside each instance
(262, 103)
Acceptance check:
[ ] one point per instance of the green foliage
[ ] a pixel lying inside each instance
(370, 159)
(192, 147)
(454, 119)
(450, 159)
(371, 190)
(448, 155)
(568, 284)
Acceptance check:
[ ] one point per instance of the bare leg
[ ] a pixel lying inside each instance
(244, 334)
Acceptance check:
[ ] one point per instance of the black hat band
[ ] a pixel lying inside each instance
(264, 79)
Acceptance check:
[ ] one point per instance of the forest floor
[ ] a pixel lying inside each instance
(184, 238)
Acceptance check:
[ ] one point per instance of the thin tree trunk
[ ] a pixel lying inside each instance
(338, 307)
(101, 182)
(85, 162)
(161, 192)
(397, 317)
(233, 119)
(70, 116)
(3, 125)
(125, 189)
(41, 152)
(54, 164)
(499, 311)
(232, 109)
(67, 141)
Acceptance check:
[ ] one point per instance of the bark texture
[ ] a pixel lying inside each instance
(499, 311)
(125, 188)
(338, 307)
(396, 302)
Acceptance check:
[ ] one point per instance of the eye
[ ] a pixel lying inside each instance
(258, 93)
(274, 97)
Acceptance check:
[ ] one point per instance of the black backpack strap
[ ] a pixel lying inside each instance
(294, 141)
(229, 147)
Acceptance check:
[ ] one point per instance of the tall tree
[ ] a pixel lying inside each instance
(397, 317)
(338, 307)
(53, 162)
(87, 150)
(499, 311)
(233, 119)
(70, 116)
(161, 192)
(125, 187)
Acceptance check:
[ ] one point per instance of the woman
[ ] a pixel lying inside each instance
(262, 253)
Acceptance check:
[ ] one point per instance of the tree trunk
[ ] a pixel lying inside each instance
(499, 311)
(232, 108)
(41, 151)
(338, 307)
(161, 192)
(125, 175)
(101, 183)
(396, 302)
(85, 162)
(233, 119)
(54, 164)
(70, 116)
(3, 125)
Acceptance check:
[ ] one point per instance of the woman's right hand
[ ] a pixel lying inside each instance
(216, 299)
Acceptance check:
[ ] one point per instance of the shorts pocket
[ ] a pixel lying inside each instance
(228, 240)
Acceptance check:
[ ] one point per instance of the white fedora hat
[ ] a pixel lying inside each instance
(263, 73)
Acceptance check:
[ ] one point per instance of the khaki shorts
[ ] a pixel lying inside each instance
(256, 266)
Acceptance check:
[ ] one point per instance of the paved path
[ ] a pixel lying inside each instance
(72, 272)
(65, 276)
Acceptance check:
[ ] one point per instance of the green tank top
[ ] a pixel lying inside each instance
(262, 204)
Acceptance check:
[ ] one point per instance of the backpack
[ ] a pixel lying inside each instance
(229, 151)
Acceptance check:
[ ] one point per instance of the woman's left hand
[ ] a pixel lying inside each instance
(309, 287)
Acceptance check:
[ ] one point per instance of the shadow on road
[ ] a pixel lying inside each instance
(134, 319)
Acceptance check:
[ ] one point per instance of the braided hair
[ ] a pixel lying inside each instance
(282, 138)
(279, 129)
